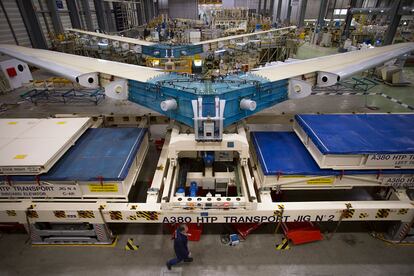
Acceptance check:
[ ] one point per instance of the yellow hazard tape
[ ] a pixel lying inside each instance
(320, 181)
(20, 156)
(103, 188)
(130, 246)
(284, 245)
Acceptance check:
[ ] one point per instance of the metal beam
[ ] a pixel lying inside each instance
(265, 7)
(151, 9)
(369, 10)
(109, 17)
(279, 10)
(259, 8)
(74, 14)
(289, 11)
(146, 12)
(348, 19)
(395, 21)
(101, 15)
(54, 14)
(29, 15)
(272, 6)
(156, 8)
(139, 13)
(303, 5)
(322, 13)
(86, 11)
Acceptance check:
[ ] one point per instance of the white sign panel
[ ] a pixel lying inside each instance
(38, 190)
(391, 160)
(400, 181)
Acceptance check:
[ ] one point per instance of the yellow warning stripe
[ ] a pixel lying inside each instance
(11, 213)
(284, 245)
(383, 213)
(130, 246)
(59, 214)
(148, 215)
(115, 215)
(86, 214)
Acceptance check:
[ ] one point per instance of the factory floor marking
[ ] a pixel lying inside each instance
(284, 245)
(130, 246)
(113, 244)
(394, 100)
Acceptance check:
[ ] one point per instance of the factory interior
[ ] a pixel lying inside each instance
(207, 137)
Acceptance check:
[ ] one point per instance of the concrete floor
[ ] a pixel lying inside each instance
(352, 251)
(346, 254)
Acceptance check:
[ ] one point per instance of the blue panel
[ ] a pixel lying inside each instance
(165, 50)
(184, 89)
(99, 152)
(361, 133)
(283, 153)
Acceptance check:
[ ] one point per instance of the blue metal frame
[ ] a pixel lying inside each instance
(177, 51)
(184, 89)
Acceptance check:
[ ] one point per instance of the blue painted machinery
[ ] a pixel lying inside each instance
(167, 50)
(208, 105)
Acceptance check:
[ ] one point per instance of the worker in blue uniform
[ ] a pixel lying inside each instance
(180, 247)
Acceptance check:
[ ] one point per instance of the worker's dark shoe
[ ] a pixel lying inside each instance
(168, 265)
(188, 260)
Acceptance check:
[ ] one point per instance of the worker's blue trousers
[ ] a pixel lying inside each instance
(175, 261)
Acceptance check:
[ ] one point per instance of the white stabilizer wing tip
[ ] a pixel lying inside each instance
(48, 65)
(242, 36)
(343, 65)
(79, 68)
(348, 71)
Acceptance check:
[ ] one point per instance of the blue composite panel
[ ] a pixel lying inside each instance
(176, 51)
(360, 133)
(283, 153)
(99, 154)
(184, 89)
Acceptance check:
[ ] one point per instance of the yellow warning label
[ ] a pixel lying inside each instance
(105, 188)
(20, 156)
(61, 123)
(12, 123)
(321, 181)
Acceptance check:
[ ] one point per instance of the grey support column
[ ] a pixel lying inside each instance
(395, 21)
(289, 11)
(348, 19)
(139, 13)
(101, 16)
(147, 11)
(279, 9)
(109, 17)
(32, 24)
(74, 14)
(303, 5)
(57, 23)
(272, 6)
(87, 15)
(322, 13)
